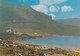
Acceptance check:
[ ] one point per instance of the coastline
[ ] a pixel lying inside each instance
(52, 47)
(21, 48)
(35, 42)
(47, 46)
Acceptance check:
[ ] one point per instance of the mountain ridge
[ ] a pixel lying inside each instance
(71, 21)
(26, 20)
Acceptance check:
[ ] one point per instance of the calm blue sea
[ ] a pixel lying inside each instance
(70, 42)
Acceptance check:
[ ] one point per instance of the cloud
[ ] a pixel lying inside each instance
(44, 9)
(66, 8)
(40, 8)
(51, 2)
(59, 1)
(53, 16)
(46, 2)
(53, 9)
(47, 7)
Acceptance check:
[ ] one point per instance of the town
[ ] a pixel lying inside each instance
(11, 48)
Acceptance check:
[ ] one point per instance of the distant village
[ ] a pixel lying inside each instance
(11, 48)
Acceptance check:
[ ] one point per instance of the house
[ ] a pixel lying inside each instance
(1, 44)
(8, 43)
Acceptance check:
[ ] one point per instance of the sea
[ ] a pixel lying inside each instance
(67, 42)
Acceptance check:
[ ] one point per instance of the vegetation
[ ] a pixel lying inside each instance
(24, 19)
(9, 48)
(6, 55)
(15, 36)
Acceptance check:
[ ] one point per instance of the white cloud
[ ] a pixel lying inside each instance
(53, 16)
(40, 8)
(51, 2)
(53, 9)
(59, 1)
(47, 7)
(44, 9)
(66, 8)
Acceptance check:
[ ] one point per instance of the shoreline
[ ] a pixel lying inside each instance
(47, 46)
(48, 37)
(25, 47)
(53, 47)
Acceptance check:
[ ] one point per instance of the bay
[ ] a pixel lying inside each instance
(70, 42)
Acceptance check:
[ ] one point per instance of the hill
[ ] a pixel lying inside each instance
(72, 21)
(24, 19)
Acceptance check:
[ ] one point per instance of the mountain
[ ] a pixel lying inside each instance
(24, 19)
(72, 21)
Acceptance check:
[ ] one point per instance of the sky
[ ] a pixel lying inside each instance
(58, 9)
